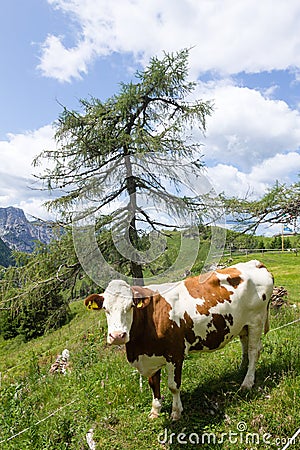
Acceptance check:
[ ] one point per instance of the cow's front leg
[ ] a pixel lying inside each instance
(154, 383)
(174, 382)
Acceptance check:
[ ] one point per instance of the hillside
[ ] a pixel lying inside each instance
(18, 233)
(5, 254)
(52, 412)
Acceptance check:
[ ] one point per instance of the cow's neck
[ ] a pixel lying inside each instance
(149, 324)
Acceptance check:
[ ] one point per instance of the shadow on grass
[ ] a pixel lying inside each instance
(205, 406)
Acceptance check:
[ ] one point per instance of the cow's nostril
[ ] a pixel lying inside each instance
(118, 335)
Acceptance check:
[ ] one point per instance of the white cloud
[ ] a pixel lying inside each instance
(228, 37)
(233, 182)
(281, 167)
(33, 208)
(16, 170)
(19, 150)
(246, 127)
(55, 55)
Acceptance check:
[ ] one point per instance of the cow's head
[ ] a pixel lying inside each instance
(118, 301)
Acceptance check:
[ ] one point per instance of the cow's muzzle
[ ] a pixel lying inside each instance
(117, 338)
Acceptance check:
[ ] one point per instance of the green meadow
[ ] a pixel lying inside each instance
(42, 411)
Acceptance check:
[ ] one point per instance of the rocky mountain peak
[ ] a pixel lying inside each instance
(19, 233)
(11, 214)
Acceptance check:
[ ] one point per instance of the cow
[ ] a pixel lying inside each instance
(160, 324)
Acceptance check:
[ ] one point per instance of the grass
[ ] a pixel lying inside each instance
(103, 392)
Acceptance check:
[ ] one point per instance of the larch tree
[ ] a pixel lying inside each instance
(113, 156)
(279, 205)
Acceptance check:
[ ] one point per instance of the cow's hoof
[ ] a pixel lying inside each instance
(246, 386)
(175, 416)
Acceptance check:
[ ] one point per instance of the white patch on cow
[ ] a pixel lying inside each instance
(118, 304)
(163, 288)
(149, 365)
(156, 407)
(181, 302)
(261, 278)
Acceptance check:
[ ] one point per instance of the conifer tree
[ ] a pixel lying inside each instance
(120, 152)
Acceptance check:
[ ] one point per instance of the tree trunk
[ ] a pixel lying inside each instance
(136, 268)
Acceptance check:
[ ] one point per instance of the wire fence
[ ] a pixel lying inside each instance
(229, 253)
(40, 421)
(50, 351)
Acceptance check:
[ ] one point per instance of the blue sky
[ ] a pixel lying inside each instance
(32, 100)
(245, 56)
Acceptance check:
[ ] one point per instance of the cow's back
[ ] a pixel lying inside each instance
(260, 279)
(215, 307)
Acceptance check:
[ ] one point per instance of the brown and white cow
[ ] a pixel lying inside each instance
(160, 323)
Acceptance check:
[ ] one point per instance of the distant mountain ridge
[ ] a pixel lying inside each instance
(5, 255)
(18, 233)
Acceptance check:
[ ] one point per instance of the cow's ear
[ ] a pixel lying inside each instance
(141, 296)
(94, 301)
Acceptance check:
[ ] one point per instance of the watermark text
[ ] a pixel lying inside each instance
(238, 436)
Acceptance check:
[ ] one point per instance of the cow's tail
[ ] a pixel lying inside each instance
(269, 296)
(267, 321)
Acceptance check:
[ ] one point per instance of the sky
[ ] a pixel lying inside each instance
(245, 56)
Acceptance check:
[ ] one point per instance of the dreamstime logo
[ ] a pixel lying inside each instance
(166, 212)
(241, 426)
(238, 436)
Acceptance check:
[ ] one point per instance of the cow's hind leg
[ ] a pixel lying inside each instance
(154, 383)
(174, 382)
(244, 343)
(254, 348)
